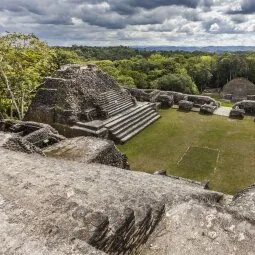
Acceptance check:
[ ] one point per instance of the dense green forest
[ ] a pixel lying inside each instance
(180, 71)
(25, 60)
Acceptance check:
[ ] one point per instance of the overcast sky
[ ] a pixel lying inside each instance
(133, 22)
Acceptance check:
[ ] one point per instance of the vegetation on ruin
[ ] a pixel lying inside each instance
(164, 144)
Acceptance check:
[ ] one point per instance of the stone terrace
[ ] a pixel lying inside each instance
(50, 206)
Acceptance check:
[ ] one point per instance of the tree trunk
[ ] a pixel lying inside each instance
(6, 82)
(22, 103)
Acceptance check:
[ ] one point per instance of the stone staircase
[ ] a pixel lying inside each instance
(127, 124)
(127, 231)
(113, 102)
(124, 120)
(121, 127)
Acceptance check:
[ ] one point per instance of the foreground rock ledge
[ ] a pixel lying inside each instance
(53, 206)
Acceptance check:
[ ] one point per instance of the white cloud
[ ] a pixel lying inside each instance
(131, 22)
(214, 27)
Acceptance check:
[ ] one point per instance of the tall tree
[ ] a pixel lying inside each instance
(24, 61)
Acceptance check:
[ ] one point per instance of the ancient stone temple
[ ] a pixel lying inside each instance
(239, 89)
(83, 100)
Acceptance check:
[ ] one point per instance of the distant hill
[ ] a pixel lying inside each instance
(217, 49)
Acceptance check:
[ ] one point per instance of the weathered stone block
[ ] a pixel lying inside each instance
(237, 113)
(251, 97)
(228, 96)
(185, 105)
(201, 100)
(29, 137)
(247, 105)
(18, 143)
(165, 100)
(208, 108)
(89, 150)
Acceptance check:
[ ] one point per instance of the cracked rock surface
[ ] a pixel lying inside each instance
(56, 206)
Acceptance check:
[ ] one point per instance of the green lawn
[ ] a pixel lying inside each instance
(226, 104)
(198, 162)
(196, 146)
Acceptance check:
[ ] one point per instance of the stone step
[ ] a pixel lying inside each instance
(110, 98)
(136, 126)
(150, 114)
(110, 92)
(121, 109)
(114, 104)
(120, 117)
(128, 231)
(83, 131)
(115, 107)
(94, 124)
(131, 118)
(138, 130)
(111, 95)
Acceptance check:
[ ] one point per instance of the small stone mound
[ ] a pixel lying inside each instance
(238, 89)
(237, 114)
(43, 137)
(208, 109)
(185, 105)
(201, 100)
(165, 100)
(247, 105)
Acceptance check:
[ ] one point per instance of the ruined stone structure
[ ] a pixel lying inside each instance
(62, 196)
(56, 206)
(72, 196)
(82, 100)
(32, 137)
(153, 95)
(29, 137)
(88, 150)
(185, 105)
(239, 89)
(248, 106)
(204, 104)
(237, 113)
(208, 108)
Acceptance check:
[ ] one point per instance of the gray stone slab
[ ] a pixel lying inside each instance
(223, 111)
